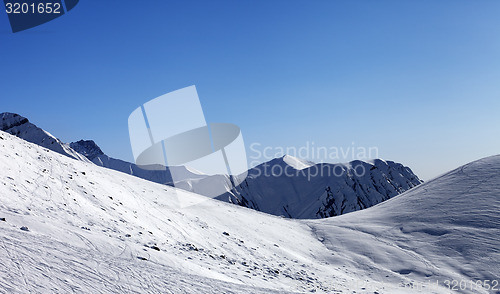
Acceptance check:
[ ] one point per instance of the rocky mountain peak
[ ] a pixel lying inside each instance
(87, 148)
(11, 120)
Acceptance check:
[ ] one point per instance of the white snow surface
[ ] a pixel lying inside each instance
(446, 229)
(88, 229)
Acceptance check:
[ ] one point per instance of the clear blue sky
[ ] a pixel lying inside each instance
(418, 79)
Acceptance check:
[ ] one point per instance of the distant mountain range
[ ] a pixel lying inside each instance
(307, 190)
(285, 186)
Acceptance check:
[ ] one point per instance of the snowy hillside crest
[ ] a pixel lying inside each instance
(285, 186)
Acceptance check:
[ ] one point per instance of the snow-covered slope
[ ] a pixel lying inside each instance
(298, 189)
(446, 229)
(92, 228)
(21, 127)
(88, 150)
(71, 226)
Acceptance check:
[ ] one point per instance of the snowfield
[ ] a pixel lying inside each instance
(71, 226)
(446, 229)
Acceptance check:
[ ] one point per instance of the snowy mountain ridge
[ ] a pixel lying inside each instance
(285, 186)
(294, 188)
(83, 150)
(21, 127)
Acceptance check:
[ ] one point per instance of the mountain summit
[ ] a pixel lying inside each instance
(87, 148)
